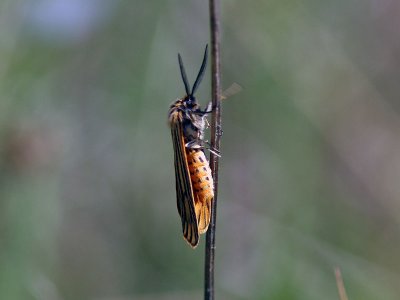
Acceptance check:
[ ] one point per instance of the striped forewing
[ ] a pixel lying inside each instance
(184, 189)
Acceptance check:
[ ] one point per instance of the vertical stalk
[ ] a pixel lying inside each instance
(215, 143)
(340, 285)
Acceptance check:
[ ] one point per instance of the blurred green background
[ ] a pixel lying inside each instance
(309, 177)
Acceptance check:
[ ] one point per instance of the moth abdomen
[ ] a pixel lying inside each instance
(203, 186)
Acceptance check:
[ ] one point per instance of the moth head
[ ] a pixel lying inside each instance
(190, 101)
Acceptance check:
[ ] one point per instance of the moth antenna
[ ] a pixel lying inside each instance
(201, 72)
(183, 74)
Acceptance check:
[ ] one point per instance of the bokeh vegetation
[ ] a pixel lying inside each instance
(311, 150)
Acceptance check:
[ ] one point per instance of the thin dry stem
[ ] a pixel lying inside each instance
(215, 143)
(340, 285)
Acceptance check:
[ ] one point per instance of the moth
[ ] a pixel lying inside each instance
(194, 182)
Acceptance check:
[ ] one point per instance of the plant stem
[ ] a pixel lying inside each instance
(215, 143)
(340, 285)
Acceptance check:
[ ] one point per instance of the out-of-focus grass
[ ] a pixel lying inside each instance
(310, 150)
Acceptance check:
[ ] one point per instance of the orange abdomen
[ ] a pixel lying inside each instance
(203, 186)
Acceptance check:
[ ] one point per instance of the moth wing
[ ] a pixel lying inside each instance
(233, 89)
(184, 189)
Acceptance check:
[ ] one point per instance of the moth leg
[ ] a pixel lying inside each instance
(206, 111)
(207, 123)
(202, 112)
(201, 144)
(212, 149)
(195, 144)
(207, 145)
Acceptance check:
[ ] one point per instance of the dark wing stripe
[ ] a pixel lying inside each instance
(185, 201)
(189, 222)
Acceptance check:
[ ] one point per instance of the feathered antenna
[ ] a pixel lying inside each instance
(199, 75)
(201, 72)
